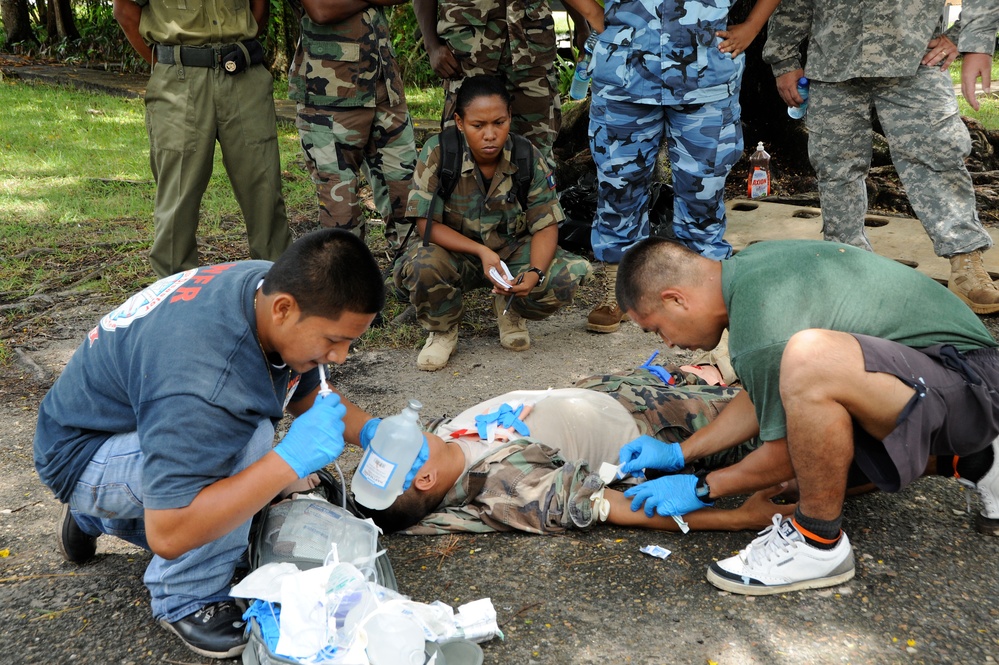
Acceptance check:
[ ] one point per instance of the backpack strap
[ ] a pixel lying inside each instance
(448, 170)
(523, 152)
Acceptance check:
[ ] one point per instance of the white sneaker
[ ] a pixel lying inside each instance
(780, 560)
(987, 486)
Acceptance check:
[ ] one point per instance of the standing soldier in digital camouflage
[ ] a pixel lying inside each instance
(513, 40)
(892, 57)
(674, 69)
(352, 113)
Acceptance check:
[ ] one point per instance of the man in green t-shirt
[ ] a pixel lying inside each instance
(866, 361)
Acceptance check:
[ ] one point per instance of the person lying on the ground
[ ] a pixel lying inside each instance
(529, 461)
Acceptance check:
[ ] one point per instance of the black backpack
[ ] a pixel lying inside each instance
(452, 147)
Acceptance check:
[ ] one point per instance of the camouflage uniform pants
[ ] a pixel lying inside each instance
(521, 53)
(928, 142)
(704, 141)
(672, 413)
(435, 280)
(341, 143)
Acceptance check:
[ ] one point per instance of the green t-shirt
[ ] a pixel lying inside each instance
(775, 289)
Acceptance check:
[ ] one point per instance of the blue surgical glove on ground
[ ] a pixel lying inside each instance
(646, 452)
(315, 438)
(669, 495)
(368, 432)
(421, 459)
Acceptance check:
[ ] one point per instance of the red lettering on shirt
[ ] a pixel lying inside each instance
(185, 293)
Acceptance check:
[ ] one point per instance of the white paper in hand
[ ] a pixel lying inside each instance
(505, 278)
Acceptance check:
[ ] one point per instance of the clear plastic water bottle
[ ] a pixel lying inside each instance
(759, 173)
(798, 112)
(378, 480)
(581, 77)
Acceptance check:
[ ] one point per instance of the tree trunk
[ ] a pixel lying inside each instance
(17, 22)
(60, 22)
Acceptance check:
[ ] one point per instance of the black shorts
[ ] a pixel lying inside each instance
(955, 410)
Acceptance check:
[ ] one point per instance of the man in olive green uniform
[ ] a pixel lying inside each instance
(352, 113)
(207, 84)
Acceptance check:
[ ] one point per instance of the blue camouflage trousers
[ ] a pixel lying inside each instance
(703, 140)
(928, 141)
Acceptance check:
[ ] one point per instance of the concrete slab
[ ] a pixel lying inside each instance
(900, 238)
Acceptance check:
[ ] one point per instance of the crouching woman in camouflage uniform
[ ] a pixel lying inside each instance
(484, 223)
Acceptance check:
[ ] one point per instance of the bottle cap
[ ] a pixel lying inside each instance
(803, 82)
(414, 404)
(759, 146)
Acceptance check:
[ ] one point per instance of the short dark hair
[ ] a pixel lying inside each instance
(328, 272)
(652, 265)
(481, 85)
(411, 507)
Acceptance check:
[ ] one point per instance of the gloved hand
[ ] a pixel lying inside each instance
(421, 459)
(368, 432)
(669, 495)
(646, 452)
(315, 438)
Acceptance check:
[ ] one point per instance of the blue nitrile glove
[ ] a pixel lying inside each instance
(504, 416)
(646, 452)
(421, 459)
(669, 495)
(315, 438)
(368, 432)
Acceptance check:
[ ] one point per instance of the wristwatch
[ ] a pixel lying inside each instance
(701, 489)
(541, 274)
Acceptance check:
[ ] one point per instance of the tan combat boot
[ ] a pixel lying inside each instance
(437, 350)
(607, 316)
(512, 327)
(972, 284)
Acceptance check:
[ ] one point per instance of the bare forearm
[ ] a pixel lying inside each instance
(261, 10)
(332, 11)
(426, 16)
(218, 508)
(706, 519)
(543, 245)
(128, 14)
(736, 423)
(589, 10)
(449, 239)
(766, 466)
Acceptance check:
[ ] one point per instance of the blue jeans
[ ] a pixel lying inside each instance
(108, 500)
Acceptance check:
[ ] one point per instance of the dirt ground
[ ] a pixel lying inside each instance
(924, 591)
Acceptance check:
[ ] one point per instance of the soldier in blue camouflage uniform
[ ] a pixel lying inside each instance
(659, 69)
(892, 57)
(483, 224)
(352, 113)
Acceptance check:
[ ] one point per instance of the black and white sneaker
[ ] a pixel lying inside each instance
(987, 486)
(74, 543)
(780, 560)
(217, 630)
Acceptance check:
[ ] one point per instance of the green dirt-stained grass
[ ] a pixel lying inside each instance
(425, 102)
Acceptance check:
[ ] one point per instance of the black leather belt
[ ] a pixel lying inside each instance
(228, 56)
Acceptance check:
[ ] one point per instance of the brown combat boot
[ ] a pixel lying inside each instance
(437, 350)
(972, 284)
(607, 316)
(512, 327)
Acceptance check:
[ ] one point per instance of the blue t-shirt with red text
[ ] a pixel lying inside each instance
(180, 364)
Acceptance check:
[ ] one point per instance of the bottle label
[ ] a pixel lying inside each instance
(376, 469)
(759, 183)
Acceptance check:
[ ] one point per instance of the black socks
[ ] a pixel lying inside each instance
(823, 534)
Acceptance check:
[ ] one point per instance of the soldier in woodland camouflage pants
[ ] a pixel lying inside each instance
(890, 57)
(352, 115)
(513, 40)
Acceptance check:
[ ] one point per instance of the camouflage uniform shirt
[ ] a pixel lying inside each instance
(979, 23)
(492, 217)
(339, 64)
(664, 52)
(853, 38)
